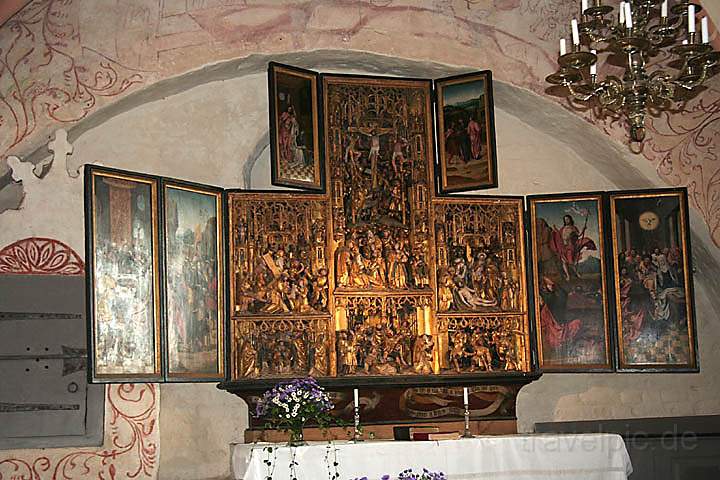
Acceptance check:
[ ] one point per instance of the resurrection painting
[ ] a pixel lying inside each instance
(193, 281)
(294, 131)
(653, 280)
(466, 133)
(123, 233)
(569, 278)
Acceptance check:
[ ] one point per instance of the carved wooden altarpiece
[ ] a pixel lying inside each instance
(378, 278)
(374, 281)
(377, 282)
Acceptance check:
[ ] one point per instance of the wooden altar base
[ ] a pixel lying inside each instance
(383, 432)
(436, 401)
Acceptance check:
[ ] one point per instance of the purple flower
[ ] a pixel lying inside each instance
(409, 474)
(291, 403)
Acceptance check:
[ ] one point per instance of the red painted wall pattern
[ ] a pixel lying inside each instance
(129, 450)
(57, 65)
(40, 256)
(48, 75)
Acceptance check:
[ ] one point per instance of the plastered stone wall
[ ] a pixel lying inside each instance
(214, 132)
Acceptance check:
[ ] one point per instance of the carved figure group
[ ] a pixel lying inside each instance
(381, 349)
(472, 350)
(379, 258)
(282, 272)
(483, 282)
(283, 353)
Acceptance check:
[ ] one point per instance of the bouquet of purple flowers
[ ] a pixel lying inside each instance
(409, 474)
(289, 405)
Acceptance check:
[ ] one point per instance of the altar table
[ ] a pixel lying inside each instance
(536, 457)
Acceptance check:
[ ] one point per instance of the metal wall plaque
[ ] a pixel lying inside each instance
(45, 400)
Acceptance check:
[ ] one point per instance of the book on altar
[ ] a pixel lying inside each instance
(405, 432)
(436, 435)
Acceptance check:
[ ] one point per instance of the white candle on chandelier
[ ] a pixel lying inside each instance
(664, 9)
(622, 13)
(628, 15)
(575, 32)
(704, 29)
(563, 48)
(465, 396)
(356, 400)
(584, 7)
(691, 18)
(593, 67)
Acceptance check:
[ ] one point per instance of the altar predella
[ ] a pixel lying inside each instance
(376, 274)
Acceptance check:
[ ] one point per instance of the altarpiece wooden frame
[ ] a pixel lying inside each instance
(570, 268)
(653, 292)
(376, 280)
(465, 125)
(122, 252)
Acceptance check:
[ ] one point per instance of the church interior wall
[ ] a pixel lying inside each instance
(208, 124)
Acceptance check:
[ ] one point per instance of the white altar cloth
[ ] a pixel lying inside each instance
(536, 457)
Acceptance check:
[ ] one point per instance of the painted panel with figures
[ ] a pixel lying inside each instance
(122, 227)
(653, 280)
(572, 304)
(194, 281)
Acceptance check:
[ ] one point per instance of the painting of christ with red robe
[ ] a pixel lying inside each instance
(294, 127)
(569, 283)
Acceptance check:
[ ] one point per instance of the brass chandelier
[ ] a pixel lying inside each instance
(642, 36)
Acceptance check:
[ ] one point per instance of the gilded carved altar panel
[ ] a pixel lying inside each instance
(376, 277)
(378, 145)
(279, 291)
(278, 254)
(481, 288)
(378, 137)
(281, 346)
(480, 255)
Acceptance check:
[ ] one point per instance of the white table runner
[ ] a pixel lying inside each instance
(536, 457)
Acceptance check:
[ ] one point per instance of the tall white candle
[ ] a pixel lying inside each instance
(593, 67)
(584, 7)
(465, 396)
(705, 32)
(691, 18)
(563, 49)
(622, 13)
(356, 399)
(575, 32)
(664, 9)
(628, 15)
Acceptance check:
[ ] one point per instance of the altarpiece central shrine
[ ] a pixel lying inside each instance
(376, 276)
